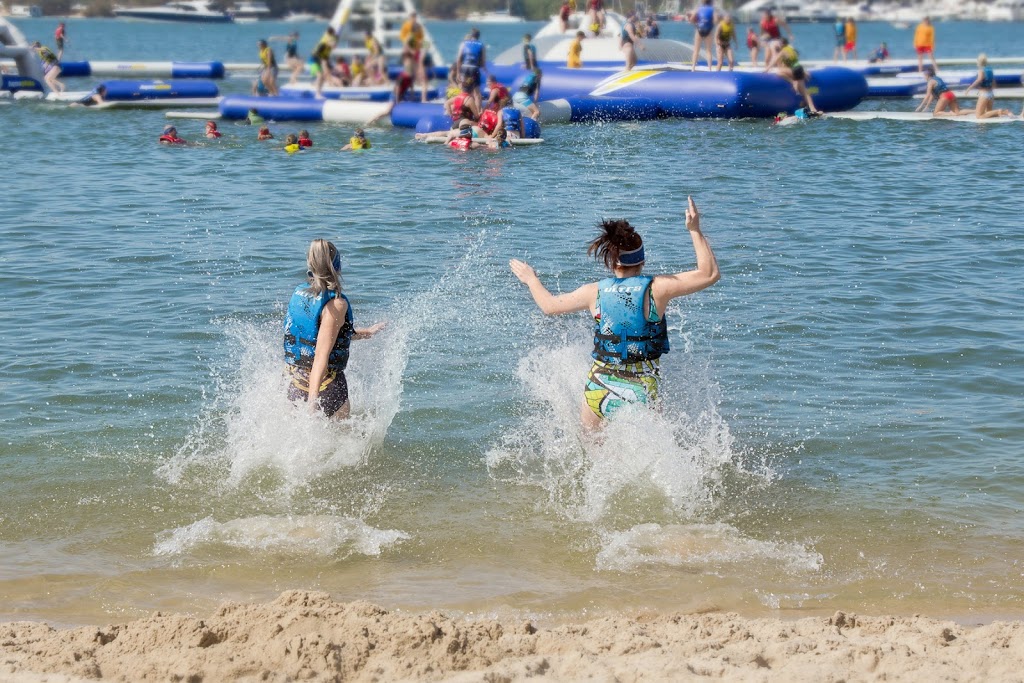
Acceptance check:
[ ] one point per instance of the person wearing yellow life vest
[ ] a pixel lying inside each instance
(268, 68)
(727, 42)
(357, 142)
(786, 62)
(574, 60)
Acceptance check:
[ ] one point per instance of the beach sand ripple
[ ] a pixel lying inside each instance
(307, 636)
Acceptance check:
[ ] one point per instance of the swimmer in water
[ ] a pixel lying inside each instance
(97, 96)
(629, 309)
(510, 121)
(985, 83)
(170, 136)
(318, 331)
(937, 91)
(291, 143)
(304, 139)
(465, 121)
(357, 142)
(253, 118)
(264, 134)
(211, 130)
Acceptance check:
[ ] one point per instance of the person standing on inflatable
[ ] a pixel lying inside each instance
(471, 59)
(704, 20)
(630, 329)
(924, 43)
(318, 330)
(839, 31)
(771, 34)
(850, 31)
(59, 36)
(627, 41)
(725, 36)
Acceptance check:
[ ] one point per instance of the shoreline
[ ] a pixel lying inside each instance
(307, 635)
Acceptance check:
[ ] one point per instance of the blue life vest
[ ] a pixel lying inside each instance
(626, 38)
(529, 83)
(940, 86)
(623, 334)
(471, 52)
(302, 324)
(705, 18)
(511, 118)
(840, 28)
(988, 78)
(653, 31)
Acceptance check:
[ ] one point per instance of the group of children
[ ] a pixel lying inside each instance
(292, 143)
(946, 104)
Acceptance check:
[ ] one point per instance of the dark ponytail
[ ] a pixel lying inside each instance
(616, 237)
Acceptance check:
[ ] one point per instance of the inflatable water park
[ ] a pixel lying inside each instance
(661, 85)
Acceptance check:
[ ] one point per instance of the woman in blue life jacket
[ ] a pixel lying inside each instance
(985, 83)
(630, 330)
(318, 329)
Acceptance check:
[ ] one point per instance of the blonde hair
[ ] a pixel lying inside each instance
(321, 272)
(983, 58)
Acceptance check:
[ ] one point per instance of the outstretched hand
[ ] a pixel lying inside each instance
(374, 329)
(692, 215)
(522, 270)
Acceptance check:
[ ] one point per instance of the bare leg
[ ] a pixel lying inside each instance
(343, 412)
(721, 56)
(589, 419)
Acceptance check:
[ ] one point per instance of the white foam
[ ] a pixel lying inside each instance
(251, 427)
(699, 546)
(321, 535)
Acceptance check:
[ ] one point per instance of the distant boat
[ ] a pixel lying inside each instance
(183, 10)
(498, 16)
(20, 11)
(250, 10)
(302, 16)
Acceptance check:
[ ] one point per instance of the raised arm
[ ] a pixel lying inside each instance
(667, 287)
(551, 304)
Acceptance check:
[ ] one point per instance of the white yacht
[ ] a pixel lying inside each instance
(601, 49)
(296, 17)
(182, 10)
(1006, 10)
(246, 11)
(499, 16)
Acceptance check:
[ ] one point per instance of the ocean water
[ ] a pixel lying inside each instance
(842, 415)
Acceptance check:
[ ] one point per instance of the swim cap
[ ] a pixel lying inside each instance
(632, 258)
(168, 129)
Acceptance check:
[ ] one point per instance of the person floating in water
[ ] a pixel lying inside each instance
(170, 136)
(318, 331)
(937, 91)
(211, 130)
(264, 134)
(304, 139)
(291, 143)
(97, 96)
(357, 141)
(253, 118)
(629, 310)
(985, 83)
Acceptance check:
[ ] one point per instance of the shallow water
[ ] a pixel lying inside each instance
(842, 414)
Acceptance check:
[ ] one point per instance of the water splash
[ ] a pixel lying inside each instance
(319, 535)
(251, 428)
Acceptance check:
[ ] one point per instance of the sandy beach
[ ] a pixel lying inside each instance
(308, 636)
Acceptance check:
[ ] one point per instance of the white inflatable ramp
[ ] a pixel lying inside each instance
(206, 115)
(1001, 94)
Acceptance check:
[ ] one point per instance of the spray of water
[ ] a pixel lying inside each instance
(648, 485)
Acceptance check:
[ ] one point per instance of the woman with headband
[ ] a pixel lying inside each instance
(317, 332)
(630, 330)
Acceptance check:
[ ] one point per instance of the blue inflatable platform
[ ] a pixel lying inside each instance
(151, 90)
